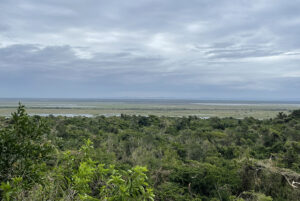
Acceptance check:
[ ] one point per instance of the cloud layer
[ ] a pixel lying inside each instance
(150, 48)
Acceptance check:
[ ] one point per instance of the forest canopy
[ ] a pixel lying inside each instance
(149, 158)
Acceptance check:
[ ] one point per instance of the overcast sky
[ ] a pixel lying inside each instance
(201, 49)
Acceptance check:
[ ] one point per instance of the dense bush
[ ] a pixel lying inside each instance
(79, 158)
(24, 147)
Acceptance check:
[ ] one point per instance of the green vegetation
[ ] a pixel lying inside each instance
(171, 108)
(149, 158)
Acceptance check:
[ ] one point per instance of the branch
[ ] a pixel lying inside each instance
(291, 184)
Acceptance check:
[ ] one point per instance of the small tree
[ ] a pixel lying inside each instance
(23, 146)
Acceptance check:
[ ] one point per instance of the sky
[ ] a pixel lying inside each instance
(195, 49)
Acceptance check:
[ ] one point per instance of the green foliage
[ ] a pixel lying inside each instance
(11, 189)
(113, 184)
(23, 147)
(252, 196)
(188, 158)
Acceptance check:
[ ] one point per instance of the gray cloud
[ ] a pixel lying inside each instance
(149, 48)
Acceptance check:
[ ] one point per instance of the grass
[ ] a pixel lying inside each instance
(261, 111)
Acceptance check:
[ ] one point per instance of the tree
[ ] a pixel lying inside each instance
(23, 146)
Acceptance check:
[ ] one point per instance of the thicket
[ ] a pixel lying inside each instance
(149, 158)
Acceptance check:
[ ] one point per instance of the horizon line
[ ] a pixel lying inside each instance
(149, 98)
